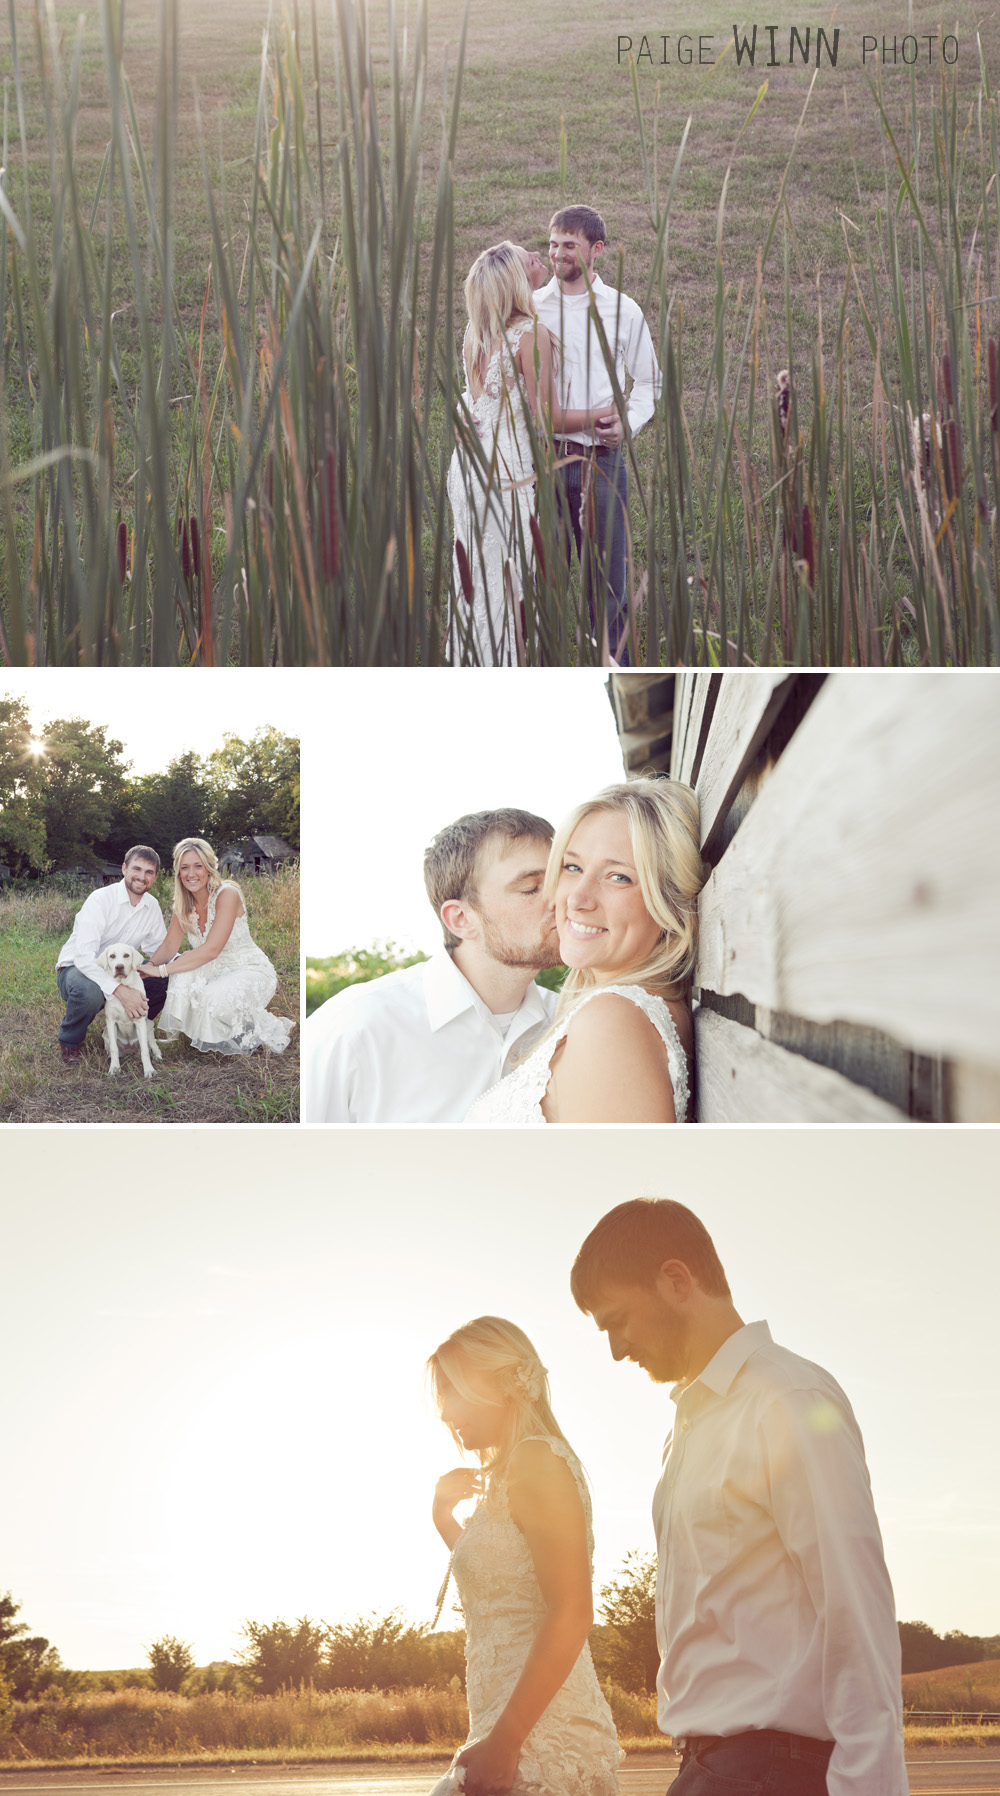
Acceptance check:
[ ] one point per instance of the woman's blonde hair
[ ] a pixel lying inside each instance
(496, 293)
(663, 826)
(494, 1353)
(183, 902)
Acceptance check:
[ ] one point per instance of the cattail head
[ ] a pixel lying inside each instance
(953, 462)
(464, 570)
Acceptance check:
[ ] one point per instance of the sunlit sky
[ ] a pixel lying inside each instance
(160, 713)
(399, 753)
(213, 1406)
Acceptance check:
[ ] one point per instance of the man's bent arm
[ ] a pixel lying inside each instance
(641, 362)
(823, 1509)
(88, 929)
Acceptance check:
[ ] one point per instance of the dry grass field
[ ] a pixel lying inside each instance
(147, 1727)
(187, 1087)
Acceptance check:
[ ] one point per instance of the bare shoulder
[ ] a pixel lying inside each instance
(538, 1474)
(229, 896)
(610, 1017)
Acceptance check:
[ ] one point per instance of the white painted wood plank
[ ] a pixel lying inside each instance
(744, 1079)
(864, 884)
(745, 709)
(698, 685)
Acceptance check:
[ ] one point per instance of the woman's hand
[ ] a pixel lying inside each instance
(455, 1487)
(490, 1765)
(149, 970)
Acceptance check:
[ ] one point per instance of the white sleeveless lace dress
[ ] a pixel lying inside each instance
(222, 1006)
(573, 1749)
(516, 1101)
(493, 525)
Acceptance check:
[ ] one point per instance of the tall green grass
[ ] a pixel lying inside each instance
(268, 485)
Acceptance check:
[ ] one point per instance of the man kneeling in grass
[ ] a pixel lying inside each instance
(126, 912)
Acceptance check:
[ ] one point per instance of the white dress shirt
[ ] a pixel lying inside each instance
(774, 1607)
(108, 916)
(415, 1046)
(582, 377)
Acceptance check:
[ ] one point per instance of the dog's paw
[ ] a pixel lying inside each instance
(112, 1070)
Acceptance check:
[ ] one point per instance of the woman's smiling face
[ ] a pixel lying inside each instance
(193, 871)
(604, 926)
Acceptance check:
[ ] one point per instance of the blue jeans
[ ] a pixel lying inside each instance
(83, 999)
(601, 554)
(754, 1764)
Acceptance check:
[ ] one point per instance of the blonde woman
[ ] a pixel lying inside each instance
(624, 874)
(509, 382)
(522, 1563)
(219, 989)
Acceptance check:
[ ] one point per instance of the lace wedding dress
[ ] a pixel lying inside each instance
(516, 1101)
(573, 1749)
(222, 1006)
(493, 523)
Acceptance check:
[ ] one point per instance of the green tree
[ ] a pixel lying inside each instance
(28, 1664)
(356, 966)
(384, 1653)
(83, 779)
(22, 825)
(624, 1647)
(174, 804)
(279, 1656)
(254, 787)
(170, 1661)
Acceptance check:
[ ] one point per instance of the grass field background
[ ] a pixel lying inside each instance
(155, 1727)
(187, 1086)
(780, 221)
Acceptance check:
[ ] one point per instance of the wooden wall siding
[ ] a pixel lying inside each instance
(743, 1078)
(852, 918)
(643, 704)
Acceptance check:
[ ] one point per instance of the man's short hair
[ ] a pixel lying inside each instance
(580, 221)
(631, 1243)
(451, 860)
(139, 853)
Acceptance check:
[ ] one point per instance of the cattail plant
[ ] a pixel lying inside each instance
(270, 486)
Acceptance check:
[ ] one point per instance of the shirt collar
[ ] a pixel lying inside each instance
(121, 890)
(448, 994)
(552, 289)
(720, 1373)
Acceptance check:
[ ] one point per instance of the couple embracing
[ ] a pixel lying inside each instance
(779, 1653)
(536, 357)
(468, 1036)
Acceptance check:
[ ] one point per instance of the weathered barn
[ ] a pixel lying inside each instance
(257, 854)
(849, 960)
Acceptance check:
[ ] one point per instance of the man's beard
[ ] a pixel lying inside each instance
(535, 955)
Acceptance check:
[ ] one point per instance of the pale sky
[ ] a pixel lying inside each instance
(397, 753)
(213, 1407)
(160, 713)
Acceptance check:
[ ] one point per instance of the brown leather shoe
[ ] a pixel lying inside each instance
(70, 1054)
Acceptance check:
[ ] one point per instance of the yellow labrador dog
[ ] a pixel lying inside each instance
(123, 964)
